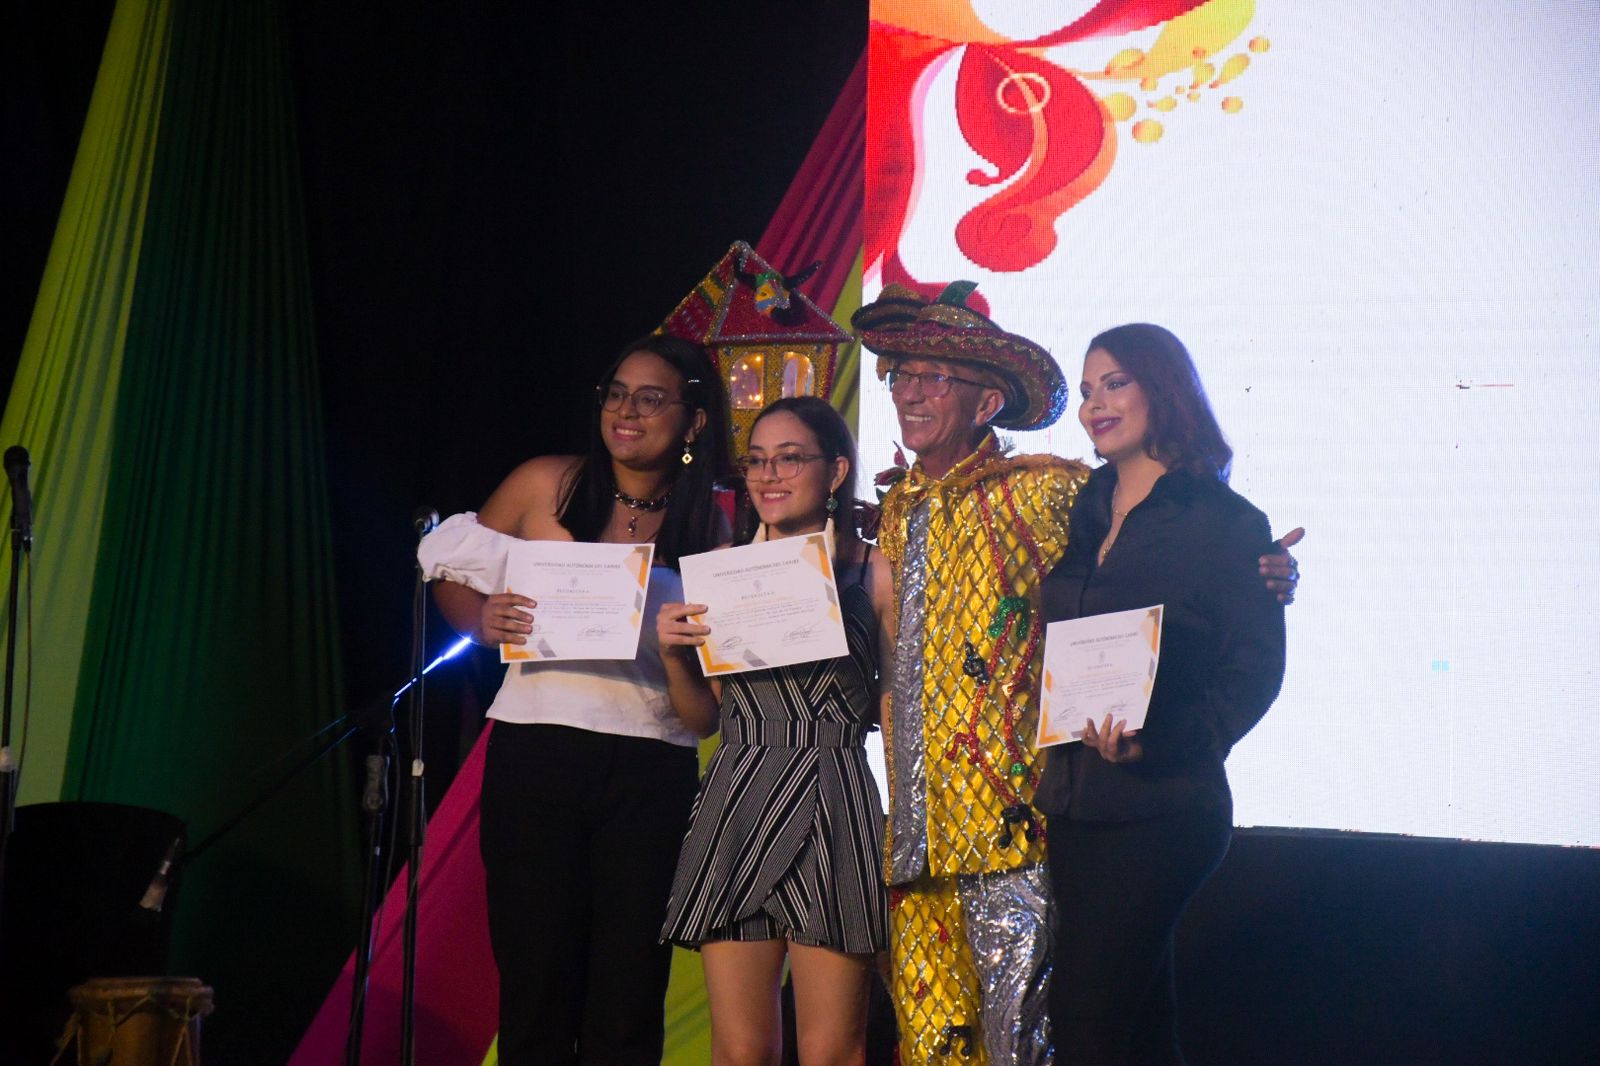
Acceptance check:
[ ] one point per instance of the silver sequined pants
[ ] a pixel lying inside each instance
(971, 957)
(1009, 918)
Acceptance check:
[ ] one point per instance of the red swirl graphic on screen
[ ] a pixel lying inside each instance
(1050, 140)
(1039, 125)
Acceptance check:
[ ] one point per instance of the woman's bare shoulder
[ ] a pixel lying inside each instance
(531, 494)
(544, 473)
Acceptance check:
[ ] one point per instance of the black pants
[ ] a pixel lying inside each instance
(1120, 888)
(580, 834)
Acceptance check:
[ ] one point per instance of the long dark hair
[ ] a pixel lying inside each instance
(692, 523)
(1183, 433)
(834, 438)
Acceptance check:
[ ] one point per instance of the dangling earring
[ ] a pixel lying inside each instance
(688, 456)
(833, 503)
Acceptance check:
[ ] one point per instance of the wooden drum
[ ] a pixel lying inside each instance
(136, 1021)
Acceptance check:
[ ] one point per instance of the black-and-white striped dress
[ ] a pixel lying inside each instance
(784, 840)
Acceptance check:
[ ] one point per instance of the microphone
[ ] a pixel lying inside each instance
(155, 894)
(424, 520)
(17, 464)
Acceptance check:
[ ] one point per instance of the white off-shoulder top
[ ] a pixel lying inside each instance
(622, 698)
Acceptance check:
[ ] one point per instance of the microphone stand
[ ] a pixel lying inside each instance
(21, 543)
(425, 520)
(375, 801)
(374, 804)
(377, 794)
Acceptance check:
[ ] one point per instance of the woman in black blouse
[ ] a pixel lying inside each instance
(1139, 820)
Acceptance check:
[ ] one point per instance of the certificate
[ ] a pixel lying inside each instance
(590, 599)
(769, 604)
(1095, 666)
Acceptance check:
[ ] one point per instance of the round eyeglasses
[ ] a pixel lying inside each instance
(785, 467)
(930, 384)
(647, 401)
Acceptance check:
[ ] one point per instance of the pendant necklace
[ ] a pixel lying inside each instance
(634, 503)
(1106, 547)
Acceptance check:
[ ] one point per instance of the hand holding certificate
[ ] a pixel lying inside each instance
(770, 604)
(1101, 665)
(591, 598)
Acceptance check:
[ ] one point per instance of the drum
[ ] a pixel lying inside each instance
(136, 1021)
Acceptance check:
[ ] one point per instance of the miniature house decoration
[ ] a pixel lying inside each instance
(768, 338)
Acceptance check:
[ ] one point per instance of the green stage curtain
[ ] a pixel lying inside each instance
(63, 400)
(210, 646)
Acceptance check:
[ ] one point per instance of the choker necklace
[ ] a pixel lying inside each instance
(634, 503)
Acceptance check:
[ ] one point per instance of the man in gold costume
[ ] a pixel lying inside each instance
(969, 532)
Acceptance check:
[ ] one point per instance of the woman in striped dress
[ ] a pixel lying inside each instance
(782, 854)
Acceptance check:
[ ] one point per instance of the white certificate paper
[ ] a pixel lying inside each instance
(590, 599)
(1104, 664)
(770, 604)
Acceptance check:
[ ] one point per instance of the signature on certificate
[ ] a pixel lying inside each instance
(801, 634)
(596, 632)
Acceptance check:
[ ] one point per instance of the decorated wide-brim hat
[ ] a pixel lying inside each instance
(903, 324)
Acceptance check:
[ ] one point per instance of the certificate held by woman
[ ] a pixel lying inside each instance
(770, 604)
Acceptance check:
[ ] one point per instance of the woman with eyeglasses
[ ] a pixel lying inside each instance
(782, 857)
(591, 769)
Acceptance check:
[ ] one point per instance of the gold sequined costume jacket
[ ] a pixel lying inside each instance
(994, 527)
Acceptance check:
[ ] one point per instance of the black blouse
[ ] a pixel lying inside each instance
(1192, 545)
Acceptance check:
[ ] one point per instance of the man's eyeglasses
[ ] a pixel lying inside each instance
(784, 467)
(930, 384)
(647, 402)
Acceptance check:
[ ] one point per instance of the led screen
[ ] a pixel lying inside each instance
(1377, 226)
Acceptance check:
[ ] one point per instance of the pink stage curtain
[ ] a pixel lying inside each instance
(457, 985)
(820, 216)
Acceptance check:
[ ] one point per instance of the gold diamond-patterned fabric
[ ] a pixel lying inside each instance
(935, 980)
(1026, 498)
